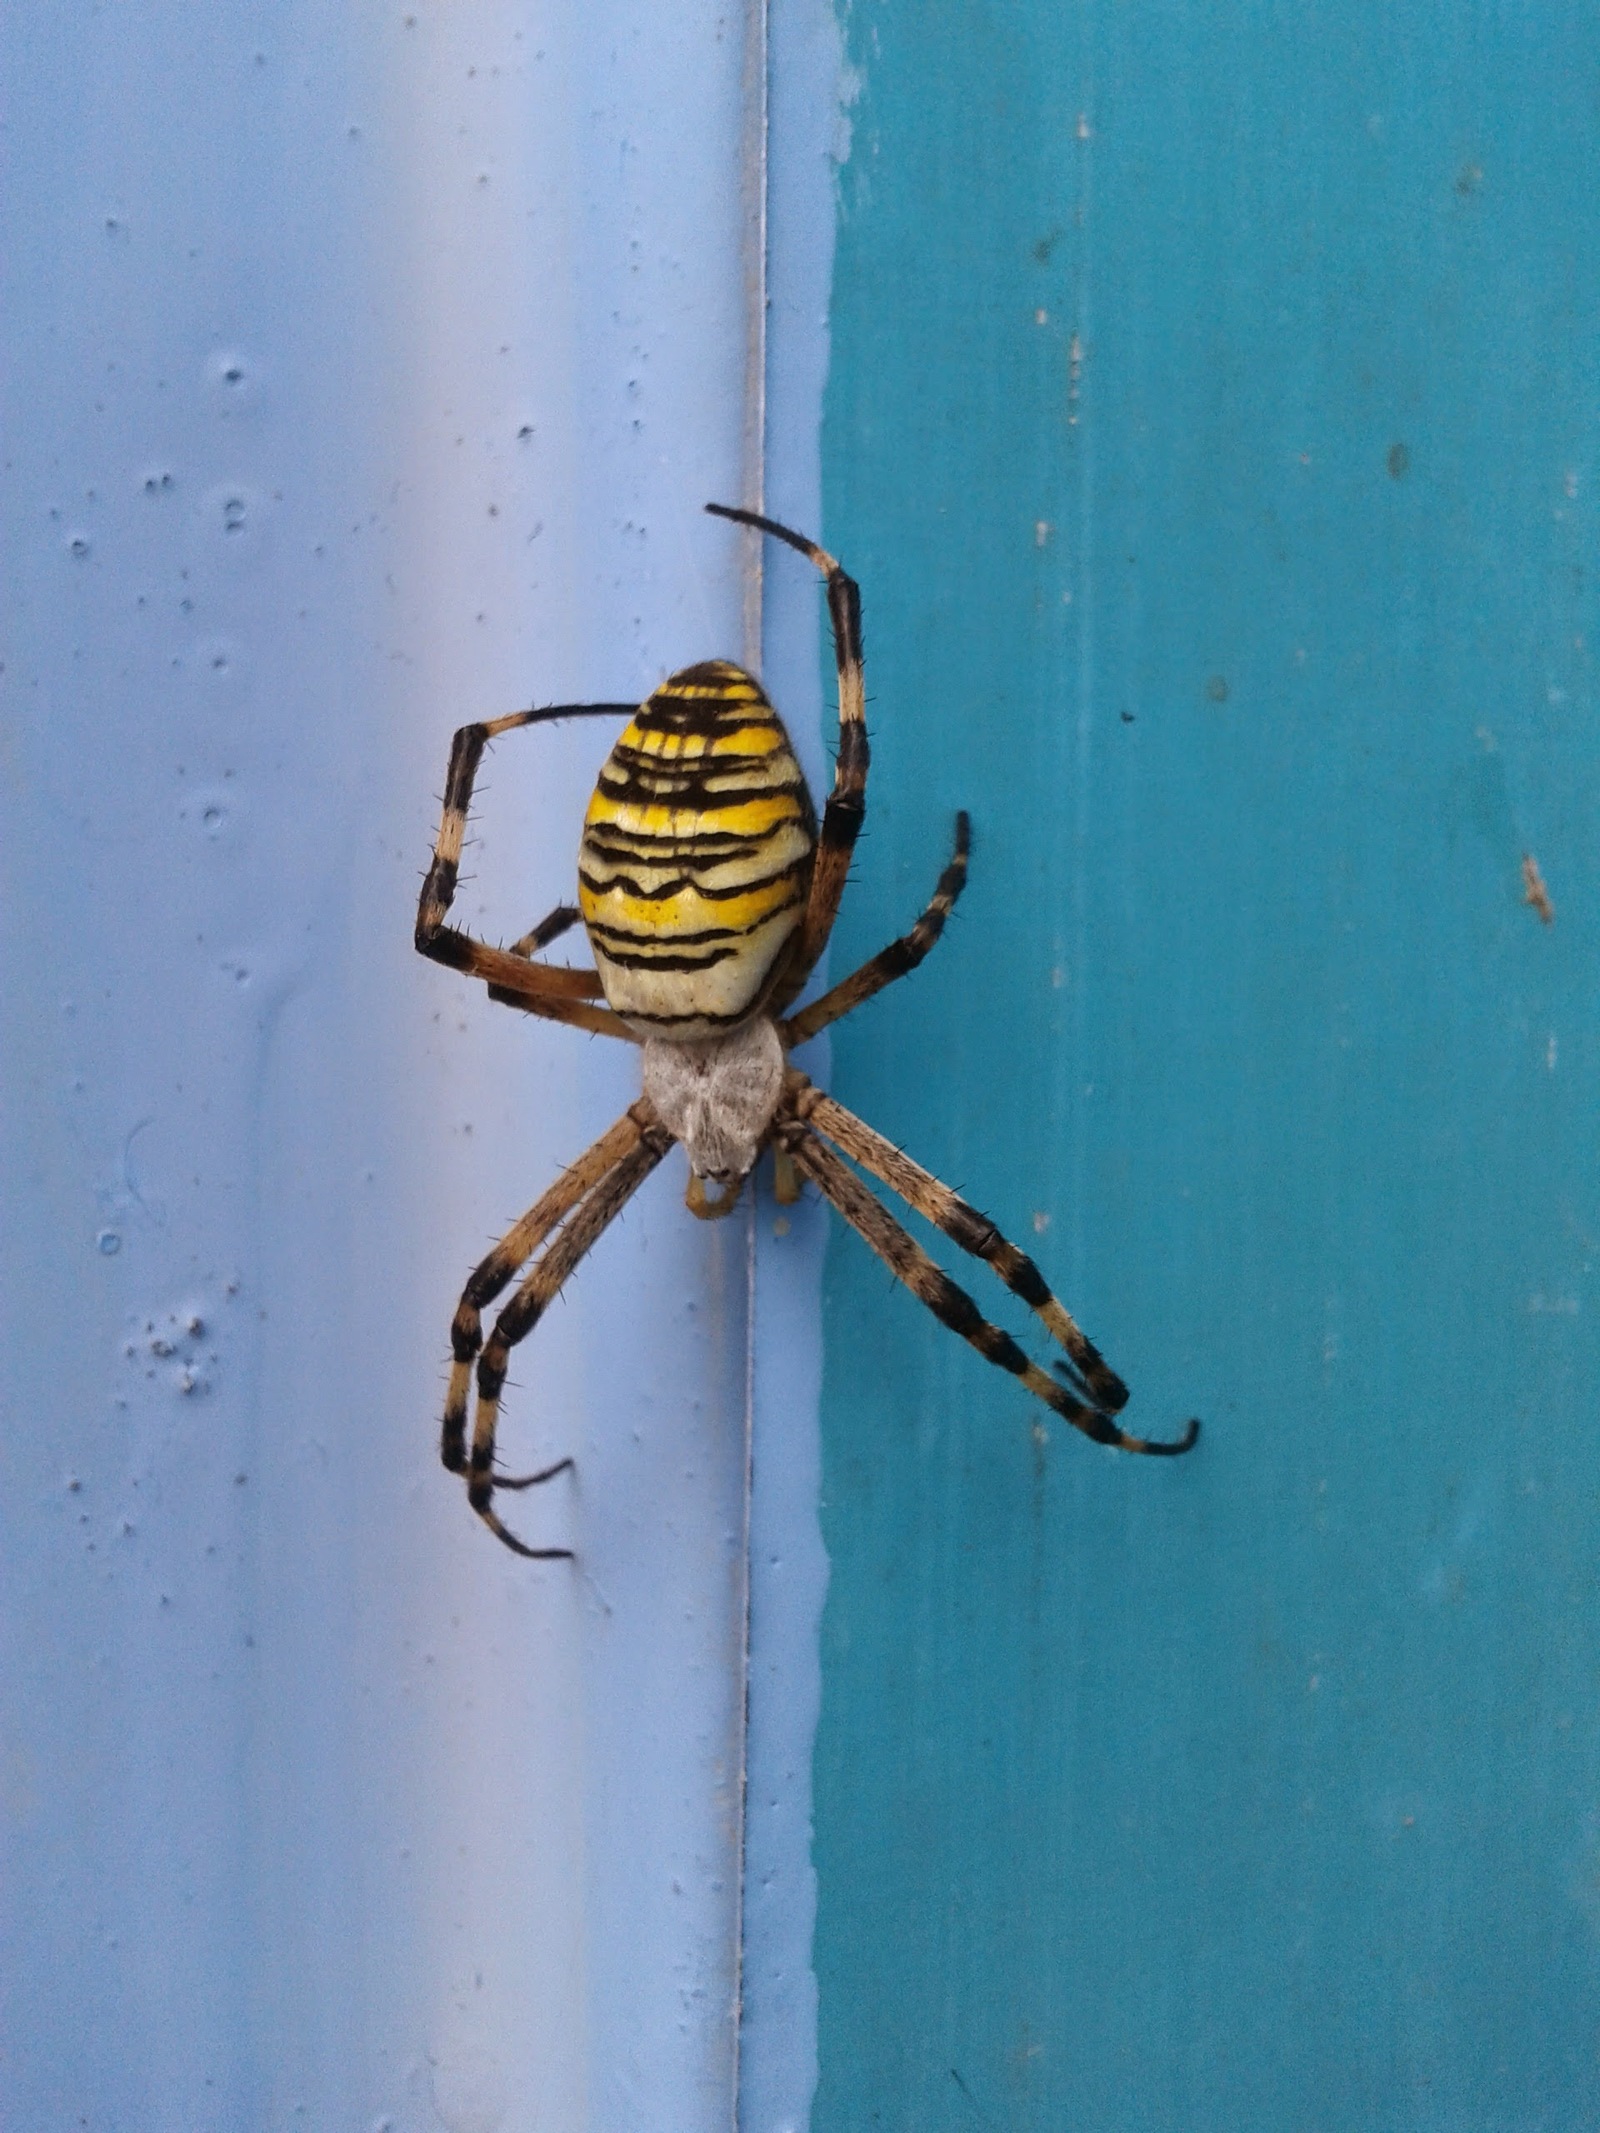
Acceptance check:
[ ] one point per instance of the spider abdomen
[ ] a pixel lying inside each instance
(696, 856)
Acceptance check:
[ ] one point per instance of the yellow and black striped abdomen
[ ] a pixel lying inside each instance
(696, 855)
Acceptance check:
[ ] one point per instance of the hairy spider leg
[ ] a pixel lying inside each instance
(964, 1225)
(514, 978)
(550, 928)
(507, 1260)
(898, 958)
(604, 1203)
(927, 1281)
(847, 803)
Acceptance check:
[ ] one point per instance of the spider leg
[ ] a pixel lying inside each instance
(549, 929)
(539, 988)
(603, 1203)
(507, 1259)
(899, 957)
(847, 803)
(974, 1232)
(906, 1259)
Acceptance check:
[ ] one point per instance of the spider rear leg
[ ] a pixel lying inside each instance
(604, 1202)
(974, 1232)
(532, 1481)
(898, 958)
(906, 1259)
(507, 1259)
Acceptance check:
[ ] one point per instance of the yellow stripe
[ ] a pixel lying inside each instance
(764, 739)
(751, 819)
(749, 740)
(646, 919)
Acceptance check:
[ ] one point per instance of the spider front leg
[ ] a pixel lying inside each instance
(513, 977)
(604, 1202)
(550, 928)
(898, 958)
(847, 803)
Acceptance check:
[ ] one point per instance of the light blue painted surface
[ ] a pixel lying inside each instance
(778, 2062)
(1212, 427)
(380, 361)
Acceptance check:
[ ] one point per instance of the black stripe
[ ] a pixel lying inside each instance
(727, 776)
(689, 847)
(709, 848)
(701, 717)
(438, 891)
(516, 1321)
(854, 751)
(447, 946)
(681, 882)
(602, 935)
(975, 1233)
(714, 799)
(708, 673)
(1088, 1419)
(1000, 1348)
(844, 609)
(684, 963)
(841, 824)
(465, 753)
(645, 761)
(730, 1021)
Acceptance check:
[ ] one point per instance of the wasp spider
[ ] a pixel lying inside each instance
(708, 894)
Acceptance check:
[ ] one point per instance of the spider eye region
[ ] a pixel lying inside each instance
(719, 1097)
(696, 856)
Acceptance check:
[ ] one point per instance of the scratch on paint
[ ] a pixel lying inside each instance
(962, 2086)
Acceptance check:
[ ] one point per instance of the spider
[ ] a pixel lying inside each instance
(708, 894)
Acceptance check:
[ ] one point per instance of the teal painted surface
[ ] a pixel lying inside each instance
(1259, 1789)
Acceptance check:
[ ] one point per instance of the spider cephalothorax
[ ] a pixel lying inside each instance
(708, 894)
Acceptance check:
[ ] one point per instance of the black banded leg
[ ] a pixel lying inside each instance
(906, 1259)
(847, 803)
(898, 958)
(507, 1259)
(540, 989)
(604, 1203)
(549, 929)
(974, 1232)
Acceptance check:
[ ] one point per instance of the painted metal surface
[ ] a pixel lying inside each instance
(1212, 426)
(788, 1568)
(365, 372)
